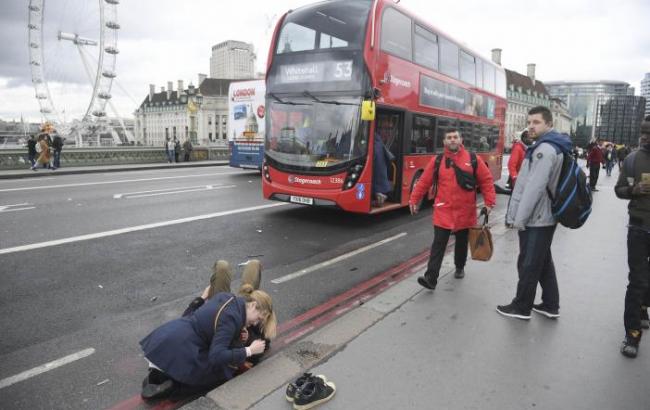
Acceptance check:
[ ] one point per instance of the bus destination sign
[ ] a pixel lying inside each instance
(437, 94)
(321, 71)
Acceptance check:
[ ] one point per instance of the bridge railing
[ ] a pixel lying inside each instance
(74, 157)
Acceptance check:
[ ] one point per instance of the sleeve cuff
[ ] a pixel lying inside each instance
(248, 351)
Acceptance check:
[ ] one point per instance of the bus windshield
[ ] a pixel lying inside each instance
(326, 25)
(312, 133)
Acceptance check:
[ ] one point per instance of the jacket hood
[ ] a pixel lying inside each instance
(561, 142)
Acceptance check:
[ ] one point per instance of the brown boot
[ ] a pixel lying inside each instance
(252, 274)
(220, 279)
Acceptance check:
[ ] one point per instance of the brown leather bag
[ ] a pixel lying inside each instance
(480, 240)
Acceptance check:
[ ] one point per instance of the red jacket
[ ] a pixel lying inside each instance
(516, 159)
(454, 207)
(595, 156)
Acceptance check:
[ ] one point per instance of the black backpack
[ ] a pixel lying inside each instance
(464, 181)
(571, 204)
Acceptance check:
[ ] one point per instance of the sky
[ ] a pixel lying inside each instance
(171, 40)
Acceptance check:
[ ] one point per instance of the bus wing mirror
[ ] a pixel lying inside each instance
(368, 110)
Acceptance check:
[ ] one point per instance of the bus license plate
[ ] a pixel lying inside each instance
(302, 200)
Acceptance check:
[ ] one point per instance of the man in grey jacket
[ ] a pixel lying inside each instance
(633, 186)
(529, 211)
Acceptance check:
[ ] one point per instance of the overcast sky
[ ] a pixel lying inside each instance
(168, 40)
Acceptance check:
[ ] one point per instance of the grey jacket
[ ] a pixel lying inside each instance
(530, 205)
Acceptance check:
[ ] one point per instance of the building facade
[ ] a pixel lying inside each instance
(198, 113)
(582, 99)
(619, 118)
(233, 60)
(645, 92)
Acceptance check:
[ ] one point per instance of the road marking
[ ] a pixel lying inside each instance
(133, 229)
(45, 367)
(12, 208)
(116, 181)
(348, 255)
(170, 191)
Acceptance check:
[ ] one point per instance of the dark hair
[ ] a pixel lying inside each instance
(453, 129)
(647, 118)
(546, 113)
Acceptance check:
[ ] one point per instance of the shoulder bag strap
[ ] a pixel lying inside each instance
(216, 319)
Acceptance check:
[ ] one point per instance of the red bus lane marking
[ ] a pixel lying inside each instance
(313, 319)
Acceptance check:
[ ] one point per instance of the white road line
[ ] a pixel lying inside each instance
(133, 229)
(168, 190)
(16, 209)
(305, 271)
(115, 182)
(7, 206)
(45, 367)
(205, 188)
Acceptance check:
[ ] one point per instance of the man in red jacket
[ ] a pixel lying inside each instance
(454, 207)
(594, 159)
(517, 158)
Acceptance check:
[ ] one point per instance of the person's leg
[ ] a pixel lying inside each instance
(438, 246)
(548, 281)
(460, 249)
(220, 279)
(536, 244)
(637, 288)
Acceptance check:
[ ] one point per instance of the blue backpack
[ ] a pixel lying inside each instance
(571, 204)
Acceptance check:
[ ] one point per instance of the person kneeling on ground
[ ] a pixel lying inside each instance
(196, 353)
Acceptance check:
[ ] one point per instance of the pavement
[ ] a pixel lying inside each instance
(411, 348)
(28, 173)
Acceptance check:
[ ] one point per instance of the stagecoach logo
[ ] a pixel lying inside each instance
(303, 181)
(396, 81)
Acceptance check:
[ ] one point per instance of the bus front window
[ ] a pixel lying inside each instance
(312, 134)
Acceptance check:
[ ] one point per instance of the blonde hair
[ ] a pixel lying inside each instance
(264, 305)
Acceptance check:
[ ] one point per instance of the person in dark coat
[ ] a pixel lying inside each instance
(57, 145)
(177, 149)
(382, 157)
(195, 352)
(31, 150)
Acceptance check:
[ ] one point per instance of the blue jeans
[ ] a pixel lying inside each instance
(170, 155)
(57, 159)
(535, 265)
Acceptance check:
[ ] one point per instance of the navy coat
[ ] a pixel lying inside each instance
(191, 352)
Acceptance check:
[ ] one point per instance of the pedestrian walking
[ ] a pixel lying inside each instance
(177, 149)
(529, 211)
(517, 157)
(187, 147)
(169, 147)
(621, 153)
(610, 159)
(456, 177)
(31, 150)
(594, 160)
(57, 146)
(633, 184)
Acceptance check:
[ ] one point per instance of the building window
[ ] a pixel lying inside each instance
(210, 136)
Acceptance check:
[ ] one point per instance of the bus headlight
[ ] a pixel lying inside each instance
(353, 176)
(265, 172)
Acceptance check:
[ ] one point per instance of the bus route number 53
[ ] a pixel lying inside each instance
(343, 70)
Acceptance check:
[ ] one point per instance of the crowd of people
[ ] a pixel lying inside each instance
(44, 149)
(173, 149)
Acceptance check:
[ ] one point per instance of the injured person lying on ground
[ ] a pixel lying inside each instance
(219, 336)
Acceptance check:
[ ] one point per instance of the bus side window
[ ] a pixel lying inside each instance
(423, 136)
(494, 138)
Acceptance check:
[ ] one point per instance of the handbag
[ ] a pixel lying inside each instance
(480, 240)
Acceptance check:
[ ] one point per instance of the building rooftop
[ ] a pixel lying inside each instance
(525, 82)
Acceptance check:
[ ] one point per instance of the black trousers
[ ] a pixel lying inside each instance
(594, 170)
(638, 288)
(440, 240)
(535, 265)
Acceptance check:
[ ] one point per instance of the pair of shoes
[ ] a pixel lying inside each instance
(252, 274)
(221, 278)
(543, 310)
(314, 391)
(512, 311)
(459, 274)
(630, 345)
(645, 321)
(156, 391)
(380, 198)
(424, 282)
(299, 383)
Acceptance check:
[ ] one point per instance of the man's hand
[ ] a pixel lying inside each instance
(414, 208)
(641, 188)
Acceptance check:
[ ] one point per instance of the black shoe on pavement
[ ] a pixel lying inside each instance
(594, 190)
(630, 345)
(512, 311)
(422, 280)
(459, 274)
(543, 310)
(152, 391)
(645, 321)
(299, 383)
(313, 393)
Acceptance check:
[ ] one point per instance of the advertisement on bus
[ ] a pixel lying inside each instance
(246, 113)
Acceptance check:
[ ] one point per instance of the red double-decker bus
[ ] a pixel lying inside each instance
(327, 59)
